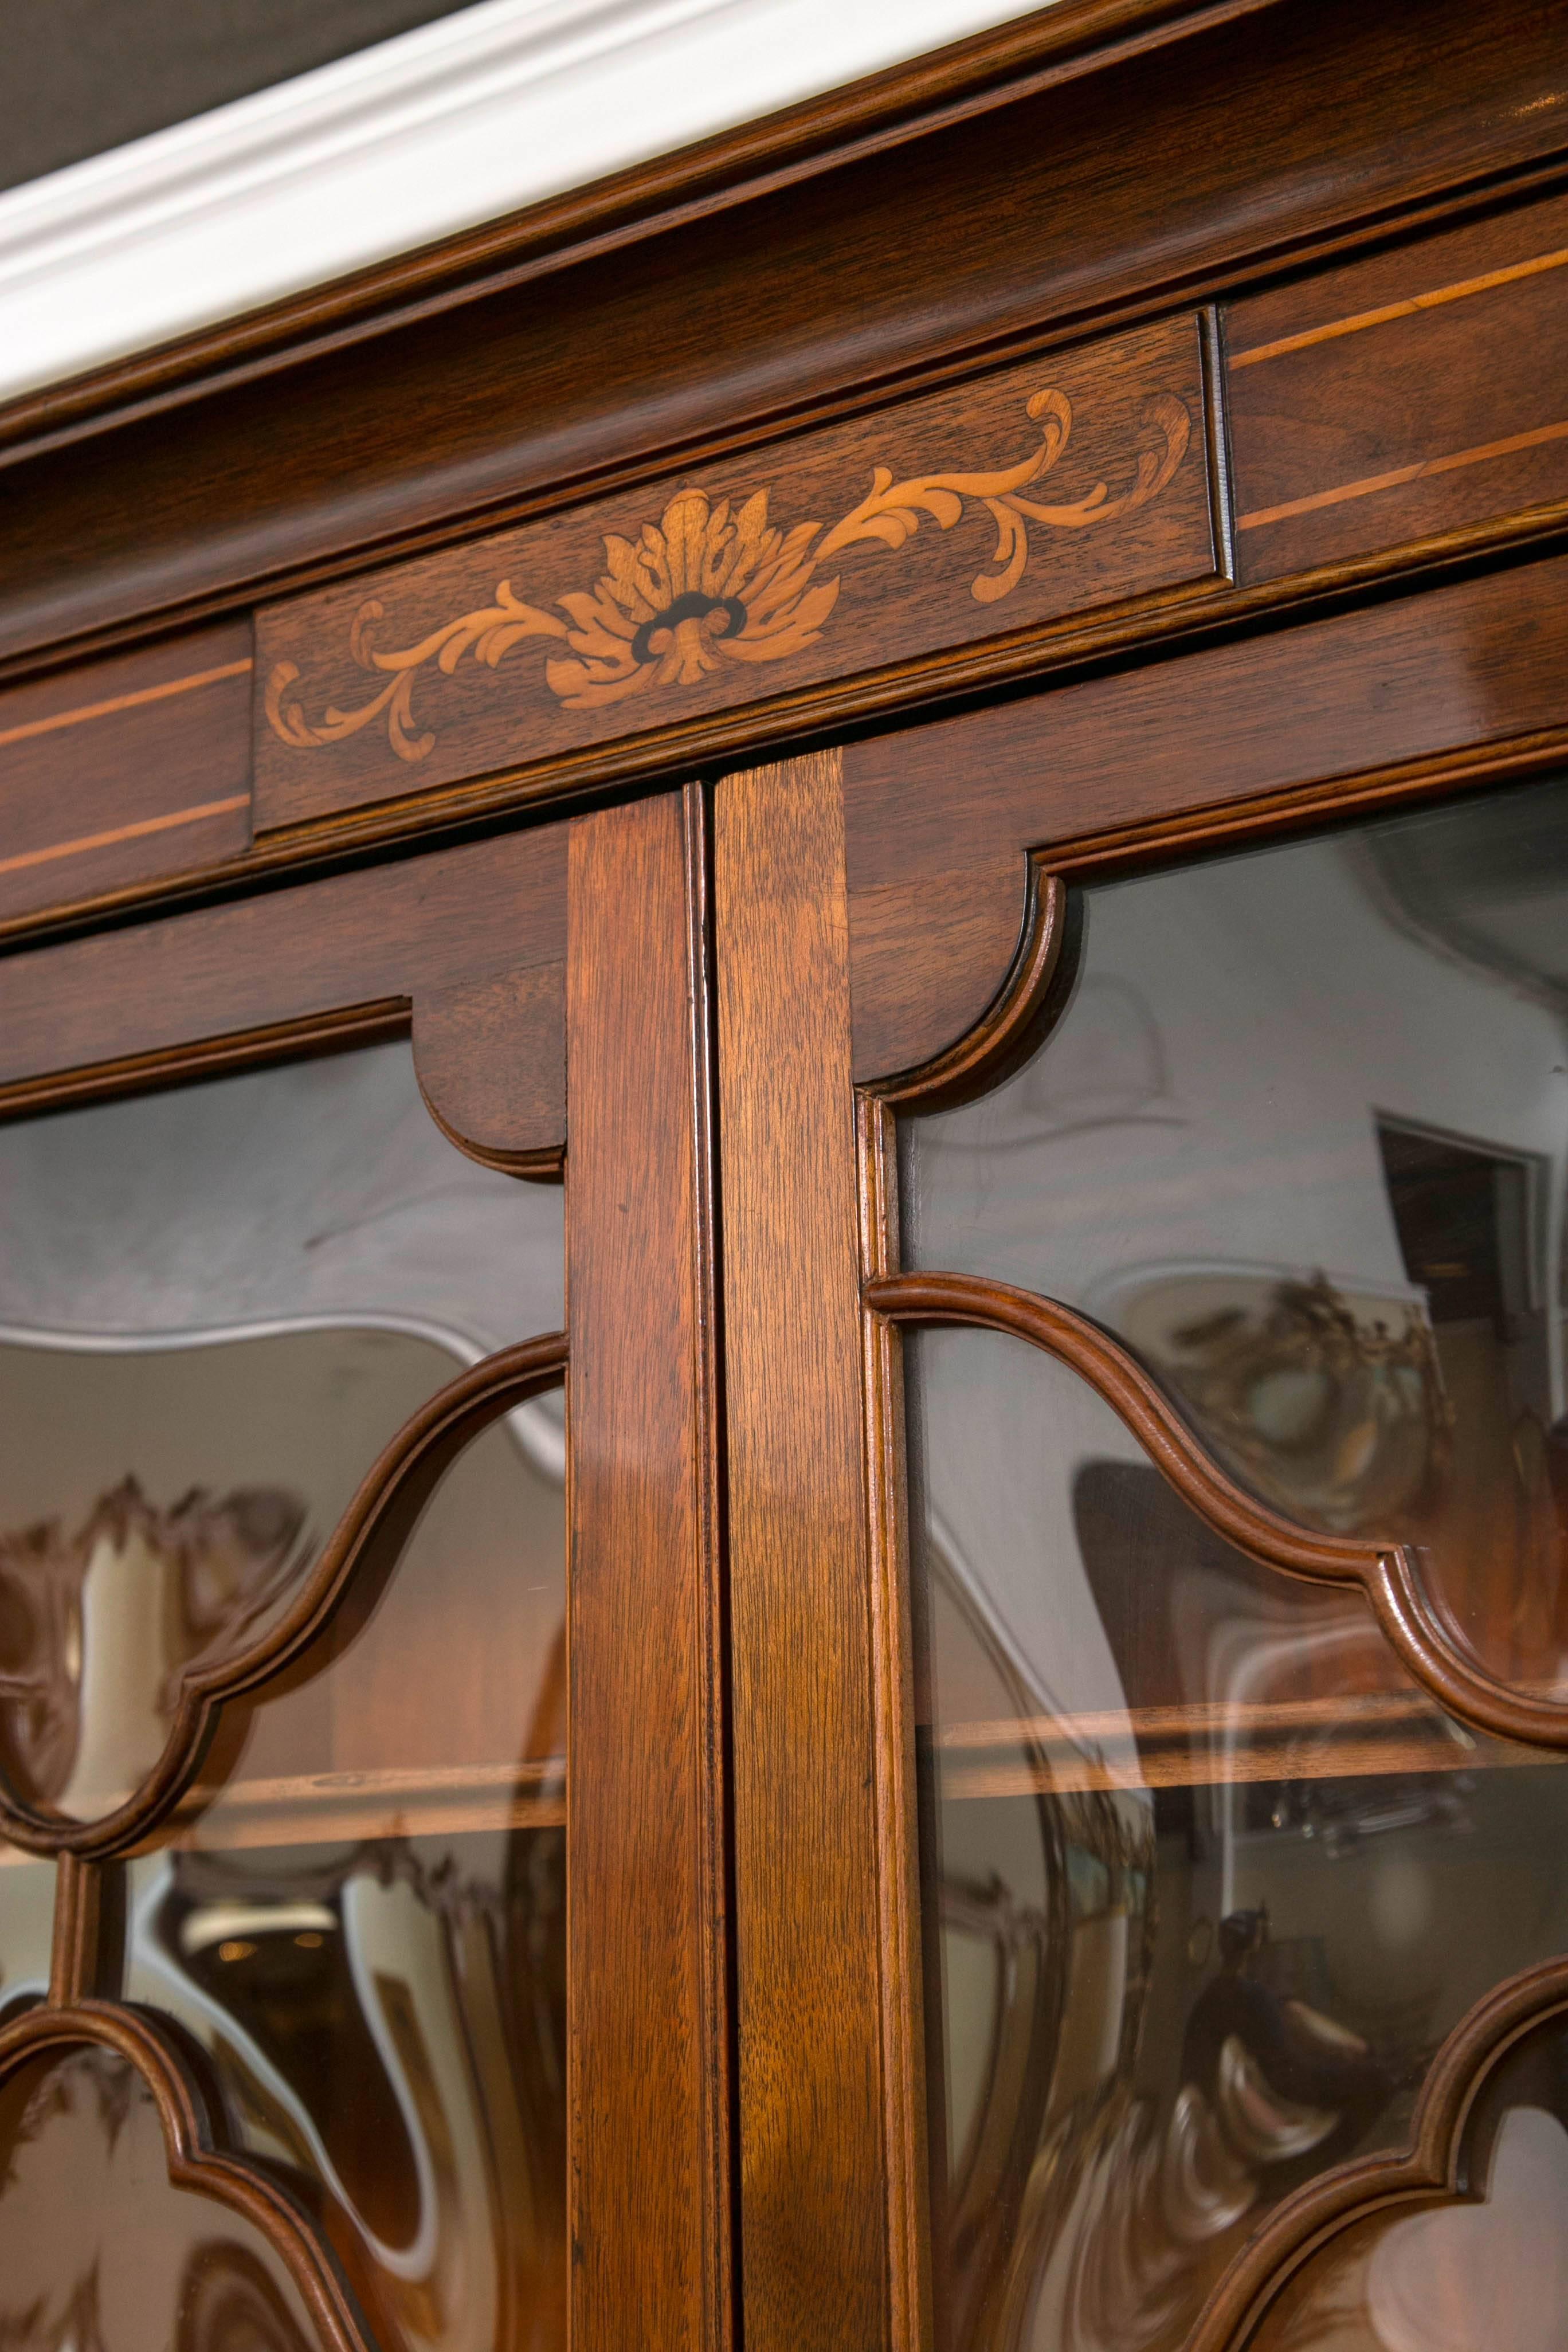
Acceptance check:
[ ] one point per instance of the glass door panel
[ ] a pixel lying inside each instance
(284, 1423)
(1211, 1878)
(1301, 1140)
(1208, 1878)
(216, 1307)
(1492, 2272)
(361, 1922)
(27, 1929)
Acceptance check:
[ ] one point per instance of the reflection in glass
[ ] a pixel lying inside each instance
(1300, 1139)
(27, 1929)
(1453, 2277)
(1207, 1879)
(360, 1914)
(216, 1306)
(99, 2253)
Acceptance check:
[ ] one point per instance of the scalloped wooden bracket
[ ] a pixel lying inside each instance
(195, 2164)
(1012, 1002)
(1430, 2172)
(458, 943)
(1409, 1615)
(491, 1059)
(388, 1500)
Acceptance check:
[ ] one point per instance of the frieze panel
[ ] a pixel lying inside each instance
(1079, 482)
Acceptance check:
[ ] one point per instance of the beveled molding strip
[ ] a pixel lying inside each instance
(1408, 1612)
(460, 120)
(1026, 51)
(400, 1481)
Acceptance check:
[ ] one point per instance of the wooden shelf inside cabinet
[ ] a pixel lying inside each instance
(1210, 1743)
(332, 1808)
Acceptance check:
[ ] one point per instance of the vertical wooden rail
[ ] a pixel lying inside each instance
(79, 1889)
(649, 2086)
(815, 2158)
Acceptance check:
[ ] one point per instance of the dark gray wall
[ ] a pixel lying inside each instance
(83, 75)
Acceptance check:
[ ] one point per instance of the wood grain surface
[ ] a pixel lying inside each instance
(1078, 482)
(1176, 751)
(648, 2081)
(263, 976)
(491, 1057)
(814, 2167)
(1398, 398)
(1111, 155)
(118, 771)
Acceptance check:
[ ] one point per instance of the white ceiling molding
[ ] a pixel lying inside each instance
(455, 123)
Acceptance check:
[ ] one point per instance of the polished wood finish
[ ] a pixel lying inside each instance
(1114, 156)
(1403, 697)
(1400, 398)
(649, 2078)
(815, 2161)
(495, 1051)
(906, 1009)
(454, 936)
(999, 506)
(1103, 163)
(1335, 234)
(126, 770)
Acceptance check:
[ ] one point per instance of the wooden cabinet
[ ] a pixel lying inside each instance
(785, 1104)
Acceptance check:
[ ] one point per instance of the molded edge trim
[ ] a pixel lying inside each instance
(1017, 1018)
(456, 123)
(1057, 40)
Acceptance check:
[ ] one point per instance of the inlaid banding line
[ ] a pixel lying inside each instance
(1400, 475)
(124, 702)
(1361, 319)
(124, 833)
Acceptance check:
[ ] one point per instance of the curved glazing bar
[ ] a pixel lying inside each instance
(1428, 2274)
(359, 1913)
(216, 1306)
(1208, 1880)
(97, 2249)
(1299, 1139)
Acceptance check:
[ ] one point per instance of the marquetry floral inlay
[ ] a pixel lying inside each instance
(707, 584)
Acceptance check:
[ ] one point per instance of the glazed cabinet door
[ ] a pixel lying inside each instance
(1145, 1110)
(360, 1974)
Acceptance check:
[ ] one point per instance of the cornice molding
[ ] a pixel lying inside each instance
(459, 122)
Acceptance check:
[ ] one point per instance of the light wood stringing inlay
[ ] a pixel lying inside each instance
(1399, 475)
(1361, 319)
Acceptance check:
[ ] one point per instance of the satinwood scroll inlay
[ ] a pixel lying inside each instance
(707, 583)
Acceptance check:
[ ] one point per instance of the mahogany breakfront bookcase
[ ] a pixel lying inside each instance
(889, 802)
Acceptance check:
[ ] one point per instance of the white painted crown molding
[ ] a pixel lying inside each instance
(455, 123)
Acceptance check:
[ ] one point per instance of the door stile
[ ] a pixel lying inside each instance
(831, 2116)
(648, 2038)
